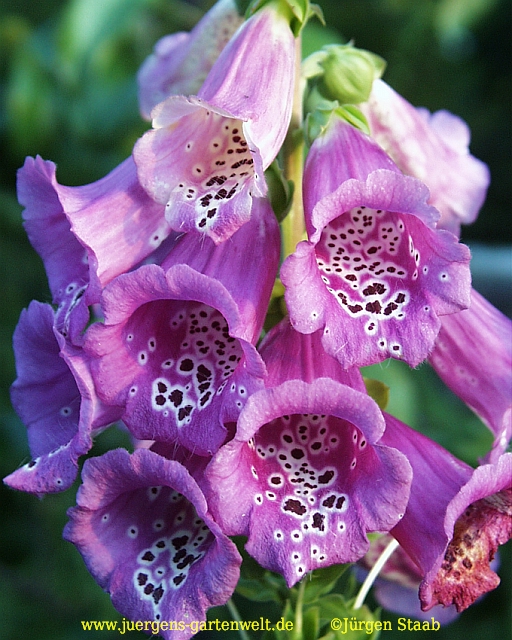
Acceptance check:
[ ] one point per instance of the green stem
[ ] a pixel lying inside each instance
(297, 625)
(236, 616)
(293, 228)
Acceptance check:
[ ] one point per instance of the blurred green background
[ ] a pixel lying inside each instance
(68, 93)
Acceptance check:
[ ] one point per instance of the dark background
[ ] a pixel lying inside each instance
(68, 93)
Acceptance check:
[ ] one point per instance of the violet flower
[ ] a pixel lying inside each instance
(55, 398)
(376, 273)
(205, 157)
(455, 519)
(305, 477)
(181, 61)
(48, 230)
(432, 148)
(177, 345)
(142, 526)
(473, 356)
(88, 235)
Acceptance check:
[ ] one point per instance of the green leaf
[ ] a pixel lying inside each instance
(256, 583)
(378, 391)
(339, 614)
(322, 581)
(88, 23)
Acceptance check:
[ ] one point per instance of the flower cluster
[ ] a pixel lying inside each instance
(161, 275)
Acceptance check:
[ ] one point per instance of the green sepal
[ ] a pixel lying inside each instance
(280, 190)
(298, 11)
(378, 391)
(318, 119)
(256, 583)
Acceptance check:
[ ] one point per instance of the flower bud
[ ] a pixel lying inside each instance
(347, 73)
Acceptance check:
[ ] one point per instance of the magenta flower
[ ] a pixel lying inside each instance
(455, 520)
(55, 398)
(396, 588)
(181, 61)
(305, 477)
(473, 356)
(142, 526)
(177, 345)
(90, 234)
(375, 274)
(432, 148)
(205, 157)
(48, 229)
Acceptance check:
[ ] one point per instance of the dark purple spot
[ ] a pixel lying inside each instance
(157, 594)
(177, 543)
(176, 397)
(318, 521)
(340, 502)
(326, 477)
(187, 365)
(184, 412)
(295, 507)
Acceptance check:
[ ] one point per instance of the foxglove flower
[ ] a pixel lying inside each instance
(455, 520)
(177, 345)
(87, 235)
(48, 230)
(375, 274)
(55, 398)
(116, 222)
(432, 148)
(305, 477)
(181, 61)
(205, 156)
(396, 588)
(473, 356)
(142, 526)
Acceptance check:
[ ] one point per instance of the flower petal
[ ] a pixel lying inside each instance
(64, 259)
(117, 223)
(473, 356)
(455, 519)
(205, 157)
(376, 271)
(181, 61)
(305, 477)
(433, 148)
(177, 347)
(55, 398)
(142, 526)
(480, 516)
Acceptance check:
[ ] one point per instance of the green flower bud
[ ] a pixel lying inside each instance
(346, 74)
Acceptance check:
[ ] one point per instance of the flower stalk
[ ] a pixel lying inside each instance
(293, 227)
(374, 572)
